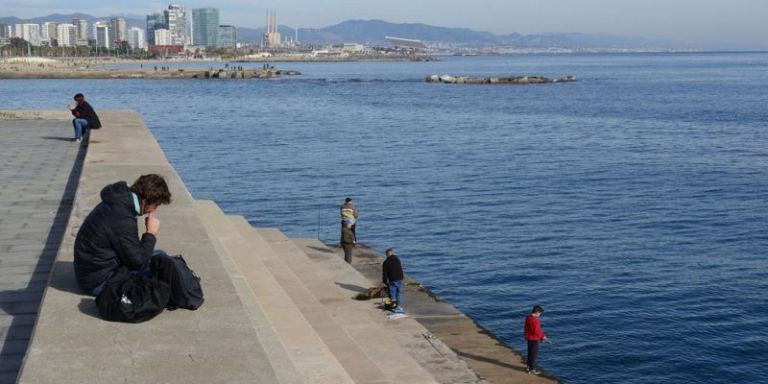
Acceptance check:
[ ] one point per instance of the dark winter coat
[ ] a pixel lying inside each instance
(85, 111)
(109, 237)
(391, 270)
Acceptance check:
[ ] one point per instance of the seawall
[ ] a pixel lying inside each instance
(275, 312)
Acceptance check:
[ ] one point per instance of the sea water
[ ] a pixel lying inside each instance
(632, 204)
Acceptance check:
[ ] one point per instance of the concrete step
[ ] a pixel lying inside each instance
(72, 344)
(432, 354)
(284, 369)
(367, 331)
(292, 343)
(332, 327)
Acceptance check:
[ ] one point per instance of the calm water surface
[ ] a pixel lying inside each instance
(631, 205)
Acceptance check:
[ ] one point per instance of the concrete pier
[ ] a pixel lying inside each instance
(275, 312)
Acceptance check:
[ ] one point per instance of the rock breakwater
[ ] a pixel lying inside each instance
(449, 79)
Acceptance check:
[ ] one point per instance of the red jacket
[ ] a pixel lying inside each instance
(533, 330)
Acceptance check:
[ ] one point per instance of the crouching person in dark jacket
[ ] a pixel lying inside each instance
(109, 236)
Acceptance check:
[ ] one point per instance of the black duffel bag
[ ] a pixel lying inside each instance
(132, 299)
(186, 291)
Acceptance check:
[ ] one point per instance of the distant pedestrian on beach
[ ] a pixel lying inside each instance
(85, 118)
(348, 242)
(392, 277)
(349, 214)
(533, 335)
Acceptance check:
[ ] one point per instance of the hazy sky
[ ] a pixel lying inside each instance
(738, 22)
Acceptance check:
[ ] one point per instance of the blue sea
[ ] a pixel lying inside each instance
(632, 204)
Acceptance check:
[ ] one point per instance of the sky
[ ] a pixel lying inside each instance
(738, 23)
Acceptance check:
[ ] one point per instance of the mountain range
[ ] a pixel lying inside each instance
(372, 32)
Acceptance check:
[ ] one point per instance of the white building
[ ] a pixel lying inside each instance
(353, 48)
(82, 31)
(102, 35)
(117, 31)
(31, 33)
(16, 30)
(48, 31)
(163, 37)
(136, 38)
(67, 35)
(179, 25)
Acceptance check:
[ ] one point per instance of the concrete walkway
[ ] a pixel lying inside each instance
(71, 344)
(39, 169)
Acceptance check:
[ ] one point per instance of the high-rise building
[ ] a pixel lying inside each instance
(48, 32)
(117, 31)
(163, 37)
(66, 35)
(206, 27)
(176, 20)
(102, 35)
(155, 21)
(136, 38)
(5, 31)
(82, 29)
(271, 35)
(31, 33)
(16, 31)
(227, 36)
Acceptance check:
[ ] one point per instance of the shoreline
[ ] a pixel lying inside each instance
(485, 353)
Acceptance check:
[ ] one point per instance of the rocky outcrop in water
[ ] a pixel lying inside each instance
(448, 79)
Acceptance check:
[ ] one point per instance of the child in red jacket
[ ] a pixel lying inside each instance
(533, 335)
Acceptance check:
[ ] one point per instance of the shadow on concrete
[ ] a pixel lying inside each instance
(88, 306)
(63, 278)
(321, 249)
(32, 294)
(68, 139)
(351, 287)
(488, 360)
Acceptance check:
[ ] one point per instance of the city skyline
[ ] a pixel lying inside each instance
(697, 22)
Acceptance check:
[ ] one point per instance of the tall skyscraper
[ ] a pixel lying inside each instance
(82, 29)
(102, 34)
(227, 36)
(117, 31)
(48, 31)
(271, 35)
(176, 20)
(206, 27)
(136, 38)
(66, 35)
(4, 31)
(155, 21)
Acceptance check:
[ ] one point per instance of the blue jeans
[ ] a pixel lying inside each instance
(396, 291)
(81, 127)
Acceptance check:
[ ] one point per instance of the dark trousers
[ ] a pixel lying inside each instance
(348, 252)
(533, 353)
(352, 228)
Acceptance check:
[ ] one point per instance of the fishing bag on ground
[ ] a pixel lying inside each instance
(132, 299)
(186, 291)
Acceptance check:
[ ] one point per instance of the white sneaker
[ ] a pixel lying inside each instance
(533, 371)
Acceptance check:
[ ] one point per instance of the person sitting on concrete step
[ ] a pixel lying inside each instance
(85, 118)
(109, 236)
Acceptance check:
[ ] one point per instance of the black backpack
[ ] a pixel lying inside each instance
(132, 299)
(186, 291)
